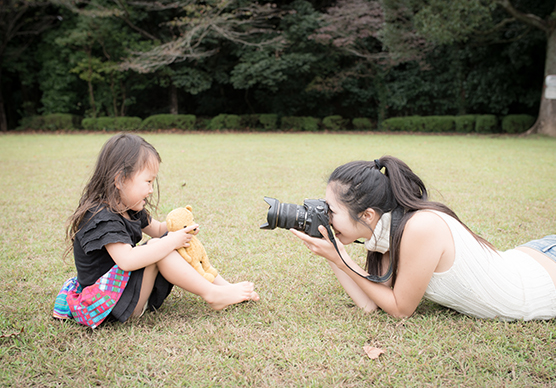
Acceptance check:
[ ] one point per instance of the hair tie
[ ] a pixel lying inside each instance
(378, 165)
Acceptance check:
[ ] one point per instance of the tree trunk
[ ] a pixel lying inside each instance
(122, 107)
(114, 95)
(546, 122)
(380, 87)
(90, 84)
(3, 118)
(173, 99)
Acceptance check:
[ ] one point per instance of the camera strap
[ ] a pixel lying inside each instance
(370, 277)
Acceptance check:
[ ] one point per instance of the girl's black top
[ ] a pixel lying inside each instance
(100, 227)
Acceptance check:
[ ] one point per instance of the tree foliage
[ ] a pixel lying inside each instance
(349, 58)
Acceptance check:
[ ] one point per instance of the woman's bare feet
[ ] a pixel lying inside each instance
(222, 296)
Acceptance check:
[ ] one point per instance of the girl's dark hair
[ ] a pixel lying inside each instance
(360, 185)
(121, 157)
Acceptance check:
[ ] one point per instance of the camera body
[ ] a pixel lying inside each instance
(306, 218)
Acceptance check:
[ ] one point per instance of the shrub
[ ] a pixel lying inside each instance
(224, 121)
(420, 124)
(486, 124)
(405, 124)
(33, 122)
(89, 124)
(106, 124)
(438, 123)
(302, 123)
(310, 124)
(334, 123)
(362, 124)
(465, 123)
(127, 123)
(112, 124)
(51, 122)
(169, 121)
(202, 123)
(249, 121)
(291, 123)
(517, 123)
(233, 122)
(217, 122)
(269, 121)
(57, 121)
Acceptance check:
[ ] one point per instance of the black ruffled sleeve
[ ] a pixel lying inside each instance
(103, 228)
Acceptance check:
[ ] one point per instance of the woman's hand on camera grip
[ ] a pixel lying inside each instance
(320, 246)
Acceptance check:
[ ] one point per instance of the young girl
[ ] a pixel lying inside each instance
(427, 250)
(115, 276)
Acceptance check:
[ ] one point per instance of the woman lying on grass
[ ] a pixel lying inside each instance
(427, 250)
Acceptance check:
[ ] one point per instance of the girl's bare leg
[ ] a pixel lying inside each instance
(179, 272)
(220, 281)
(149, 276)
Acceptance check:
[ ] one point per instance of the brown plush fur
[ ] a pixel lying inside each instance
(194, 254)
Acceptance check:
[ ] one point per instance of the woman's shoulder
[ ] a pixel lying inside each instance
(427, 224)
(425, 217)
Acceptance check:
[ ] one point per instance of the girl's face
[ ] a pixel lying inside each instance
(135, 190)
(346, 229)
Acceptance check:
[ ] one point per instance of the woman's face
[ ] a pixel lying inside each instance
(346, 229)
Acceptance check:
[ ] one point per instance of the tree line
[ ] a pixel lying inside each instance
(353, 58)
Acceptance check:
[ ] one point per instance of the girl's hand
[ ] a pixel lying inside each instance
(321, 246)
(182, 237)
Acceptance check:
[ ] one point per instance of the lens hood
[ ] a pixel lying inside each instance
(272, 216)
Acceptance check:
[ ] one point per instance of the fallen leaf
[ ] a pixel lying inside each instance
(373, 352)
(12, 334)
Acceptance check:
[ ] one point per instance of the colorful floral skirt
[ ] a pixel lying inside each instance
(91, 305)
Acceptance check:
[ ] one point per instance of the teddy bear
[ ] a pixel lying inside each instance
(195, 253)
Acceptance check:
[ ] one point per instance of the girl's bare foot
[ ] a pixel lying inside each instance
(222, 296)
(220, 281)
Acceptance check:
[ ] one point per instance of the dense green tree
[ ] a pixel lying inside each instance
(197, 31)
(354, 58)
(476, 22)
(21, 22)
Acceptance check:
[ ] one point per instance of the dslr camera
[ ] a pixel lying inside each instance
(306, 218)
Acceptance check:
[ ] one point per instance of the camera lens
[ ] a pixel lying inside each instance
(285, 215)
(291, 216)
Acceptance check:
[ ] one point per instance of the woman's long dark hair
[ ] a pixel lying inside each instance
(360, 185)
(120, 158)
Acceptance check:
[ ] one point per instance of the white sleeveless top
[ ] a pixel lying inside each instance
(489, 284)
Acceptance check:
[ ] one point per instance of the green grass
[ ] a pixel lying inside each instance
(305, 331)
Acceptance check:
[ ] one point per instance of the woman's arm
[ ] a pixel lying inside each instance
(131, 258)
(355, 292)
(422, 246)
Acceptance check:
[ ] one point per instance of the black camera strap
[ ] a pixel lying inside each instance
(370, 277)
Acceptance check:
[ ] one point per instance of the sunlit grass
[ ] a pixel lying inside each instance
(305, 331)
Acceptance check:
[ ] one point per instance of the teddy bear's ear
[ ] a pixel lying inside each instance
(188, 207)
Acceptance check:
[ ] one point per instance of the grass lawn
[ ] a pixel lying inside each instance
(305, 331)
